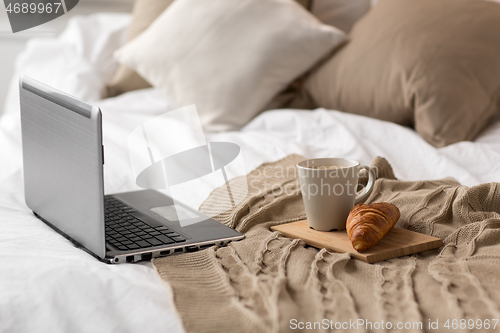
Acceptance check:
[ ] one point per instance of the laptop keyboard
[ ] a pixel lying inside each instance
(127, 232)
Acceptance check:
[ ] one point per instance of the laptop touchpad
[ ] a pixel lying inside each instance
(174, 213)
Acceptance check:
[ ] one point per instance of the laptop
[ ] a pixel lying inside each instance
(63, 159)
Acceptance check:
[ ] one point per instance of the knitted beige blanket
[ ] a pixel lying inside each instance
(269, 283)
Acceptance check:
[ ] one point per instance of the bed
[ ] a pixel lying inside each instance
(47, 285)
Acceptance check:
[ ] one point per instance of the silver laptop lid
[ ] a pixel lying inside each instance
(63, 157)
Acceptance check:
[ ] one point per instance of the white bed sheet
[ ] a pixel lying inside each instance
(47, 285)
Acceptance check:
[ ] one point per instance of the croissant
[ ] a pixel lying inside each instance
(367, 224)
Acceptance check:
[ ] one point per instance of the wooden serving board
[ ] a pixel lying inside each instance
(398, 242)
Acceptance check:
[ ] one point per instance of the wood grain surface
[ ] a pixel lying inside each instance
(398, 242)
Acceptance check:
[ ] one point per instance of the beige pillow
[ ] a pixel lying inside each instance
(431, 64)
(143, 14)
(342, 14)
(228, 57)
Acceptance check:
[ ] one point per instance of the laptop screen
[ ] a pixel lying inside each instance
(62, 157)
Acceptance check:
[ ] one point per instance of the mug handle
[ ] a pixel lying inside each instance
(369, 186)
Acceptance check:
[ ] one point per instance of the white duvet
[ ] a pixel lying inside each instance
(47, 285)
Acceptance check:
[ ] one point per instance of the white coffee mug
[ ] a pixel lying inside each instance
(328, 187)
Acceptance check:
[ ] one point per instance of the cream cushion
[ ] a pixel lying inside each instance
(228, 57)
(143, 14)
(125, 79)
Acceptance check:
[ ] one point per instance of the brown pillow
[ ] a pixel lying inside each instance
(431, 64)
(341, 14)
(143, 14)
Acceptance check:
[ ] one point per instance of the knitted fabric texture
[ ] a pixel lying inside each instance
(265, 281)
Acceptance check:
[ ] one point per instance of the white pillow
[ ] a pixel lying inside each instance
(229, 57)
